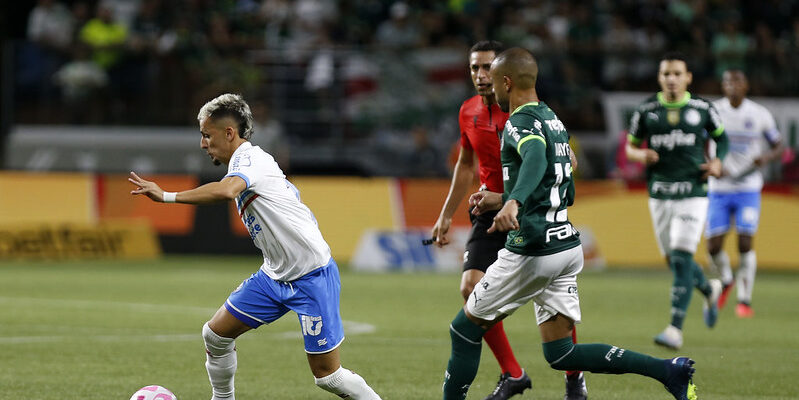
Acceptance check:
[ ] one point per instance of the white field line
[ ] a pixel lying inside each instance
(350, 327)
(103, 304)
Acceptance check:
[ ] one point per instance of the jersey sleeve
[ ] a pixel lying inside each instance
(637, 132)
(523, 128)
(714, 126)
(527, 136)
(715, 129)
(770, 131)
(243, 166)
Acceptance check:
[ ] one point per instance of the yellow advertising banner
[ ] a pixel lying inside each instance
(133, 239)
(27, 197)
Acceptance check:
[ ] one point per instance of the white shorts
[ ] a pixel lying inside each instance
(514, 279)
(678, 223)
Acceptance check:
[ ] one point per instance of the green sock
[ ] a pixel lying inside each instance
(681, 289)
(700, 282)
(564, 355)
(467, 343)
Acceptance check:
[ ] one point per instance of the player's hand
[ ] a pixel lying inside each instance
(711, 168)
(440, 230)
(650, 156)
(484, 200)
(759, 161)
(505, 220)
(145, 187)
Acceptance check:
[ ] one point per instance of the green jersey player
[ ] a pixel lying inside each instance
(676, 126)
(543, 255)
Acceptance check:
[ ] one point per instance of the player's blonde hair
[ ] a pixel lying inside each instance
(229, 105)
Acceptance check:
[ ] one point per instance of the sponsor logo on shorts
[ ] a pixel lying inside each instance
(321, 342)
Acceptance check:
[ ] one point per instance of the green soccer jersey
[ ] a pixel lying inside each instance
(537, 172)
(678, 132)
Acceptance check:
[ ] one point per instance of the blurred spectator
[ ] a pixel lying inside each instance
(399, 32)
(730, 47)
(650, 43)
(276, 14)
(50, 24)
(423, 158)
(123, 11)
(105, 36)
(269, 134)
(618, 44)
(764, 59)
(81, 82)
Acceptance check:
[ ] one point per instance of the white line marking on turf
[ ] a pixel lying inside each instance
(142, 307)
(350, 327)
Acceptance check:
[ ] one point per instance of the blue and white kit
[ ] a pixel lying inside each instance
(298, 272)
(749, 127)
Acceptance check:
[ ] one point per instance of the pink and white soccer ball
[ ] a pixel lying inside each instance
(153, 392)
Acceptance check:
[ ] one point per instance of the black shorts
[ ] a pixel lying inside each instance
(482, 247)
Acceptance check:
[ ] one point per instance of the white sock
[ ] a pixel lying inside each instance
(721, 263)
(220, 363)
(746, 276)
(347, 385)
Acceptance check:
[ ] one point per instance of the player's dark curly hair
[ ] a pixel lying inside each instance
(229, 105)
(676, 56)
(488, 45)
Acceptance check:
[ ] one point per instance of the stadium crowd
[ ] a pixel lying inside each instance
(97, 62)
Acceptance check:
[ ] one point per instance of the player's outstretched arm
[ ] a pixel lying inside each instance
(462, 178)
(214, 192)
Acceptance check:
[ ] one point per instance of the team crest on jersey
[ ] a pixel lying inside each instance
(518, 240)
(692, 117)
(673, 116)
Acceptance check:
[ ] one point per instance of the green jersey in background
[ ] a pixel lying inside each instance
(679, 133)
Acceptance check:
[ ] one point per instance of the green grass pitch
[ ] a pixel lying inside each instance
(101, 330)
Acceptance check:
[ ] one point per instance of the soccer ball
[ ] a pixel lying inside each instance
(153, 392)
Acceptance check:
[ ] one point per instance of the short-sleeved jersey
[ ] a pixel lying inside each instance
(677, 132)
(544, 227)
(746, 126)
(481, 126)
(279, 223)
